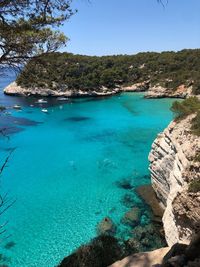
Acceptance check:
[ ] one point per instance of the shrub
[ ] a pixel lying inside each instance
(197, 157)
(196, 125)
(186, 107)
(194, 186)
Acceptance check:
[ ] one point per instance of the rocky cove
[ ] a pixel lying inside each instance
(152, 91)
(173, 168)
(170, 157)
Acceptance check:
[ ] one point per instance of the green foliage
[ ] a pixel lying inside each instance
(196, 125)
(189, 106)
(194, 186)
(76, 72)
(197, 157)
(28, 28)
(186, 107)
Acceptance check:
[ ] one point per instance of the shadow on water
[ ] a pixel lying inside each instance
(11, 124)
(129, 106)
(8, 120)
(77, 119)
(105, 136)
(4, 260)
(9, 245)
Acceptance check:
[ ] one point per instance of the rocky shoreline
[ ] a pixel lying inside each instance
(156, 91)
(173, 167)
(172, 164)
(15, 90)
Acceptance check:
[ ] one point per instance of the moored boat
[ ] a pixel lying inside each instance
(41, 101)
(17, 107)
(44, 110)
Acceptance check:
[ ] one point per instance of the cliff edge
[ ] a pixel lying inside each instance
(173, 167)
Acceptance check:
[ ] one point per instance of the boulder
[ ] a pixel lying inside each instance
(132, 217)
(106, 227)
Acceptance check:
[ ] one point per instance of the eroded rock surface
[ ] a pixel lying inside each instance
(173, 167)
(14, 89)
(158, 91)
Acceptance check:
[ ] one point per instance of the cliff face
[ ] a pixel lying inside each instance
(172, 169)
(14, 89)
(156, 91)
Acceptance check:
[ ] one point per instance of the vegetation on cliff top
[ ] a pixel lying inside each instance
(189, 106)
(194, 186)
(64, 70)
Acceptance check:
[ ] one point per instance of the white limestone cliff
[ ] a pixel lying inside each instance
(172, 168)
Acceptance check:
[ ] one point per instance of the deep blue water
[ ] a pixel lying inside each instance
(64, 170)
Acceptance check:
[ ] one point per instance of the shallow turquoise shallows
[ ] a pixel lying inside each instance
(64, 170)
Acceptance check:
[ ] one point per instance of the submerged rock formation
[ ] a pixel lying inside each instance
(106, 227)
(132, 217)
(173, 168)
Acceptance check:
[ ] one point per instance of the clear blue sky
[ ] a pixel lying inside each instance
(105, 27)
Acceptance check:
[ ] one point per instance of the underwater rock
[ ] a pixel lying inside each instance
(9, 245)
(143, 232)
(132, 246)
(77, 118)
(106, 227)
(101, 251)
(132, 217)
(124, 184)
(128, 200)
(147, 193)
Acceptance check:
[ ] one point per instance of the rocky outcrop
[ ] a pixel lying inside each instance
(156, 91)
(159, 91)
(132, 217)
(137, 87)
(14, 89)
(106, 227)
(146, 259)
(172, 169)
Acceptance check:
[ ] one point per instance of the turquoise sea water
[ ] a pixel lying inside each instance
(64, 170)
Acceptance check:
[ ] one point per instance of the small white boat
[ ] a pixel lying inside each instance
(62, 98)
(44, 110)
(41, 101)
(17, 107)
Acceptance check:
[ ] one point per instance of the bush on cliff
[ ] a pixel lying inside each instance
(187, 107)
(196, 124)
(194, 186)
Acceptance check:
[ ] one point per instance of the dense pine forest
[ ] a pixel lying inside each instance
(67, 71)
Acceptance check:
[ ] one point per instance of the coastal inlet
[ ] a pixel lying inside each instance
(73, 167)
